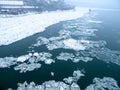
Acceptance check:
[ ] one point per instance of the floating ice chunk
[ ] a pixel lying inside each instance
(28, 62)
(52, 73)
(49, 61)
(41, 41)
(76, 76)
(7, 62)
(55, 45)
(81, 58)
(23, 58)
(65, 56)
(75, 58)
(68, 80)
(106, 55)
(33, 62)
(106, 83)
(74, 87)
(48, 85)
(27, 67)
(74, 44)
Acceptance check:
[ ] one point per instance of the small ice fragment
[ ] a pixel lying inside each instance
(52, 74)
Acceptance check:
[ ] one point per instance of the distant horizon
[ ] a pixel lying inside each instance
(111, 4)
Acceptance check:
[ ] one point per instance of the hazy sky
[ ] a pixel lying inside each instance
(96, 3)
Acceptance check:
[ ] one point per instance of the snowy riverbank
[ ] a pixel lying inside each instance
(13, 29)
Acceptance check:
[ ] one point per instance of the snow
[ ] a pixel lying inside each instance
(17, 28)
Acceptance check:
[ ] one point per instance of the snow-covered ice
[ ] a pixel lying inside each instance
(17, 28)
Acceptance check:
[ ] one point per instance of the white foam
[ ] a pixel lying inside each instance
(17, 28)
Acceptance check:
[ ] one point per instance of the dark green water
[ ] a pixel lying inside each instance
(109, 31)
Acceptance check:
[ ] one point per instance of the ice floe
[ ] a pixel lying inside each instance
(27, 62)
(65, 56)
(73, 44)
(62, 42)
(67, 84)
(75, 58)
(48, 85)
(106, 83)
(24, 67)
(7, 62)
(73, 79)
(102, 53)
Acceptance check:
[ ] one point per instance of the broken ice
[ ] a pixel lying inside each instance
(27, 62)
(106, 83)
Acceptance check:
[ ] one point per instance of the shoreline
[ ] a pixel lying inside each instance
(17, 28)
